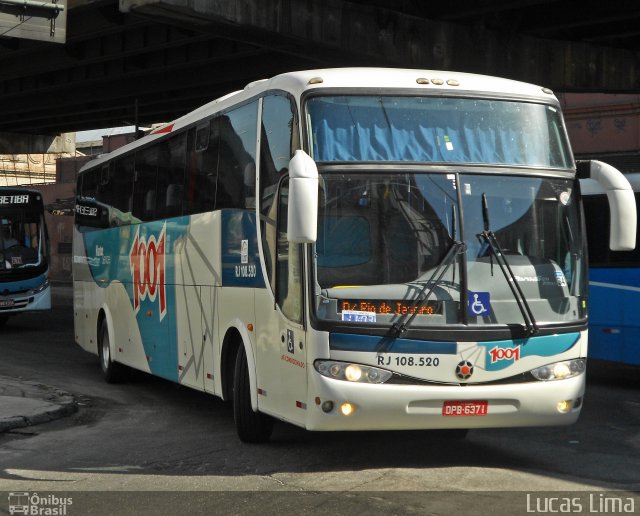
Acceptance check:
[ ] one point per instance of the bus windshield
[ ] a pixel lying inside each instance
(436, 130)
(20, 235)
(381, 239)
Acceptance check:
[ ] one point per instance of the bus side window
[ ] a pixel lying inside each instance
(171, 161)
(118, 191)
(235, 186)
(202, 168)
(90, 214)
(90, 181)
(597, 216)
(144, 189)
(596, 211)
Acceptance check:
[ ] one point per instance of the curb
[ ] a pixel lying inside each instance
(58, 404)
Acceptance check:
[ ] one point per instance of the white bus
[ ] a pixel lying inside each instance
(348, 249)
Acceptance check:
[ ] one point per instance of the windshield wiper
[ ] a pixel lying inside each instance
(401, 326)
(457, 247)
(490, 238)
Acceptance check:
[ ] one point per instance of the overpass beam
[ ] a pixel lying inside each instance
(339, 32)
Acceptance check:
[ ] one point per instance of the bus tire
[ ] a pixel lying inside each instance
(252, 427)
(111, 371)
(3, 320)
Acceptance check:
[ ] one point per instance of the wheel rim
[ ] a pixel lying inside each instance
(106, 352)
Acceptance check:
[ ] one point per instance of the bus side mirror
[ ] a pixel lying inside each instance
(302, 225)
(622, 202)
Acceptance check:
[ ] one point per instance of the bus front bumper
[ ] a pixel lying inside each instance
(13, 304)
(415, 407)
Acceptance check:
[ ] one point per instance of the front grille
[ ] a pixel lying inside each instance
(399, 379)
(17, 304)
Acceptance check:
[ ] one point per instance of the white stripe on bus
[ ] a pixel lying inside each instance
(613, 286)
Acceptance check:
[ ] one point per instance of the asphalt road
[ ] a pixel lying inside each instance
(152, 447)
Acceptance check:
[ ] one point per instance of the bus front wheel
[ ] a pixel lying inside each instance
(111, 371)
(252, 427)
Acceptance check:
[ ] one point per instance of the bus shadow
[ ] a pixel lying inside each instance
(602, 449)
(196, 435)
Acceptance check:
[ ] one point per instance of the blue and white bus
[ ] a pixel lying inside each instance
(24, 253)
(348, 249)
(614, 283)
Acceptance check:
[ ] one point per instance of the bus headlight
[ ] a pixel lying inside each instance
(41, 287)
(351, 372)
(560, 370)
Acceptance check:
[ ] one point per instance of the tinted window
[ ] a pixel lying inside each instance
(170, 186)
(89, 180)
(144, 190)
(202, 164)
(276, 144)
(597, 217)
(117, 191)
(237, 159)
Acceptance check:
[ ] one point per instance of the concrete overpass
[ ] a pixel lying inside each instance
(145, 61)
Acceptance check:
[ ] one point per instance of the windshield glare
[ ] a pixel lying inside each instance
(380, 239)
(436, 130)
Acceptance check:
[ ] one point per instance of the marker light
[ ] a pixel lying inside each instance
(351, 372)
(560, 370)
(347, 409)
(41, 287)
(327, 406)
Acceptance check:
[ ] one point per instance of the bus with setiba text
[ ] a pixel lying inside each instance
(24, 253)
(349, 249)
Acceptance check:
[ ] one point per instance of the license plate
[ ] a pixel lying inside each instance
(465, 408)
(6, 303)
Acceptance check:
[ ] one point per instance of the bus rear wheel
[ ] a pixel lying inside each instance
(252, 427)
(111, 371)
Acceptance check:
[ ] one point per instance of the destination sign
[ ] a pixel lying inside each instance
(90, 214)
(88, 211)
(390, 307)
(14, 199)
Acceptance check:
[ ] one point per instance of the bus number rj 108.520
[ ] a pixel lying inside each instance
(408, 361)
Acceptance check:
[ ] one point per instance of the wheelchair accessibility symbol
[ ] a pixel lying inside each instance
(479, 304)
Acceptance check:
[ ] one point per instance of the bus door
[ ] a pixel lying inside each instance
(281, 321)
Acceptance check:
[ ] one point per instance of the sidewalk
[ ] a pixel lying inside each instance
(24, 403)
